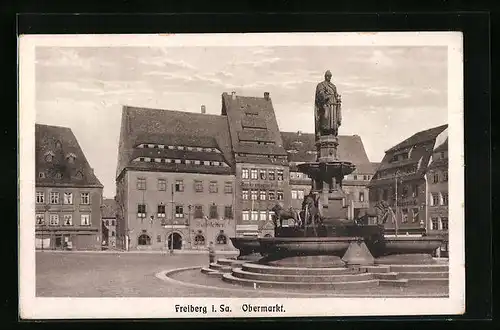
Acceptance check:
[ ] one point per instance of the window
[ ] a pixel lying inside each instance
(414, 192)
(355, 177)
(255, 215)
(161, 211)
(254, 194)
(294, 194)
(221, 238)
(244, 173)
(271, 175)
(262, 195)
(280, 175)
(300, 194)
(198, 185)
(41, 175)
(179, 211)
(434, 199)
(365, 177)
(262, 174)
(48, 158)
(68, 198)
(54, 219)
(444, 198)
(245, 215)
(197, 162)
(199, 240)
(113, 223)
(158, 238)
(263, 215)
(245, 194)
(162, 184)
(361, 196)
(404, 193)
(68, 220)
(141, 210)
(228, 187)
(444, 223)
(434, 224)
(54, 197)
(40, 197)
(85, 198)
(85, 219)
(271, 195)
(228, 212)
(40, 219)
(415, 216)
(213, 212)
(141, 184)
(107, 222)
(198, 211)
(144, 239)
(445, 176)
(404, 218)
(213, 187)
(179, 185)
(279, 195)
(435, 177)
(253, 174)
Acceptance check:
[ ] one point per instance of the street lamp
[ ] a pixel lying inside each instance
(46, 209)
(189, 224)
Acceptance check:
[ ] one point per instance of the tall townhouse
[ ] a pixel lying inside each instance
(68, 194)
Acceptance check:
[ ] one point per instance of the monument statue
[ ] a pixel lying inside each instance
(327, 111)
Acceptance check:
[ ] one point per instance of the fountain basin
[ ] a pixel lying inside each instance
(248, 246)
(412, 245)
(331, 168)
(305, 246)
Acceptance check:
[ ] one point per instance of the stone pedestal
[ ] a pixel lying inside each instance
(327, 148)
(358, 255)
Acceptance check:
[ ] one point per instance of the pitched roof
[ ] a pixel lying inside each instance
(176, 128)
(253, 127)
(420, 137)
(67, 165)
(109, 208)
(350, 148)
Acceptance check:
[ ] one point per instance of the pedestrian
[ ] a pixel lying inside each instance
(211, 252)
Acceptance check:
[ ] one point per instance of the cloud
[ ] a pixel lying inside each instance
(164, 62)
(68, 58)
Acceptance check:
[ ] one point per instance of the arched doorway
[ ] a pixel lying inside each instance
(177, 241)
(144, 240)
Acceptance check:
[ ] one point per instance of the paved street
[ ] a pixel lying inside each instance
(134, 275)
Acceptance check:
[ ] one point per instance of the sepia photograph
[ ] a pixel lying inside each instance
(241, 175)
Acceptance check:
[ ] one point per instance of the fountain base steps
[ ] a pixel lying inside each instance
(239, 273)
(229, 278)
(230, 262)
(220, 268)
(303, 271)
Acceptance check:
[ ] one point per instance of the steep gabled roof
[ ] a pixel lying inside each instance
(420, 137)
(350, 148)
(167, 127)
(68, 165)
(109, 208)
(253, 127)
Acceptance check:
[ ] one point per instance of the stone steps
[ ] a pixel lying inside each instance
(211, 272)
(230, 262)
(265, 269)
(239, 273)
(386, 276)
(394, 282)
(229, 278)
(220, 268)
(418, 268)
(427, 281)
(375, 269)
(412, 275)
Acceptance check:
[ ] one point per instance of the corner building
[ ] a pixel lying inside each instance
(437, 192)
(68, 195)
(400, 181)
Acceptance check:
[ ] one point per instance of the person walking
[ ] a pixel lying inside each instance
(211, 252)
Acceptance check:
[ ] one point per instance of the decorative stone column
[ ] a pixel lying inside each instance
(327, 148)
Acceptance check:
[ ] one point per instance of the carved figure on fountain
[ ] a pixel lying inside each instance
(328, 116)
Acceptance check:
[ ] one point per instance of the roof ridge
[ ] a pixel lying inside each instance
(132, 107)
(54, 126)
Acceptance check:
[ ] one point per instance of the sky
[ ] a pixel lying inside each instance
(388, 93)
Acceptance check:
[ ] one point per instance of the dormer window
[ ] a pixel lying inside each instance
(180, 148)
(71, 157)
(49, 156)
(171, 147)
(292, 151)
(41, 175)
(58, 145)
(79, 175)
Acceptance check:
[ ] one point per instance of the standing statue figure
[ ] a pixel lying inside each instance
(327, 111)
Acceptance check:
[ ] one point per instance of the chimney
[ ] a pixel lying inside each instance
(299, 133)
(203, 109)
(266, 96)
(233, 95)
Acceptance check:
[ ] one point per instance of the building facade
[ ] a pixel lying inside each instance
(68, 194)
(108, 215)
(400, 182)
(261, 165)
(301, 148)
(437, 192)
(175, 181)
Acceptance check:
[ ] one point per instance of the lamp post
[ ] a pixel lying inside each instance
(189, 224)
(172, 223)
(46, 209)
